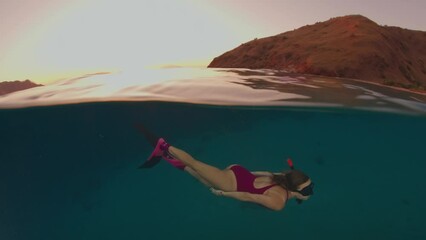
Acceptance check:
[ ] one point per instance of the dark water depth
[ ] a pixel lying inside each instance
(70, 172)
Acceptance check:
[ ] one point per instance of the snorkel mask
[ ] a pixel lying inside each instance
(306, 191)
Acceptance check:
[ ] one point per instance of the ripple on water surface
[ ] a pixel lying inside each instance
(236, 87)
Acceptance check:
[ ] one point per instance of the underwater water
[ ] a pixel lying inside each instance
(70, 171)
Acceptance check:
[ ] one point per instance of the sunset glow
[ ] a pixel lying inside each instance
(47, 40)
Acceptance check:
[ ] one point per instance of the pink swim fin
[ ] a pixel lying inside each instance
(160, 151)
(156, 155)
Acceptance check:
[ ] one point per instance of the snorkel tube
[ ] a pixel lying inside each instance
(290, 163)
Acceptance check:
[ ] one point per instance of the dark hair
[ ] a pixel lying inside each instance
(290, 180)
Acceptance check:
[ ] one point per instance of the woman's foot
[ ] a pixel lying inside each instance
(157, 154)
(160, 151)
(173, 161)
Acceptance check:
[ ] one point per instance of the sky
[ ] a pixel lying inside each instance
(47, 40)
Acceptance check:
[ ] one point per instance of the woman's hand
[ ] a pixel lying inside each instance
(216, 192)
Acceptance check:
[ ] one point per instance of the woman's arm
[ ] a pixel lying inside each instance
(274, 203)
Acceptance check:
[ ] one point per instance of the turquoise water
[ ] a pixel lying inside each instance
(70, 172)
(69, 154)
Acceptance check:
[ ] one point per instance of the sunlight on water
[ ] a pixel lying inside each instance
(237, 87)
(179, 85)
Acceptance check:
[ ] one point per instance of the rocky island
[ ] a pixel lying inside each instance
(347, 47)
(14, 86)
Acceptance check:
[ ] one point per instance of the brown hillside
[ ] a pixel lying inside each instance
(350, 46)
(9, 87)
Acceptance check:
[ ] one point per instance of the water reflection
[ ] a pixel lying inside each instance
(346, 92)
(220, 87)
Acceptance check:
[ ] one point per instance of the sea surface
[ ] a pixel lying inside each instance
(69, 153)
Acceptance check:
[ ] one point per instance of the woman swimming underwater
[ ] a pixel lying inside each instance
(271, 190)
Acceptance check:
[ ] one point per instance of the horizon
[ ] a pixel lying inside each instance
(47, 40)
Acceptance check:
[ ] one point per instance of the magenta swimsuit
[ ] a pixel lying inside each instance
(245, 181)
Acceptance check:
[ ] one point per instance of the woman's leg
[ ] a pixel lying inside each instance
(193, 173)
(220, 179)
